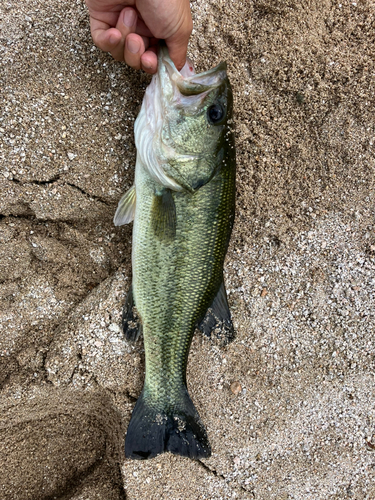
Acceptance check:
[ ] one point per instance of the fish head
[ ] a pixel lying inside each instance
(189, 116)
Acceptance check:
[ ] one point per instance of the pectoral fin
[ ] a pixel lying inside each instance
(164, 216)
(218, 319)
(126, 208)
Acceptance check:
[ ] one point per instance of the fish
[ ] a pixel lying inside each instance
(182, 203)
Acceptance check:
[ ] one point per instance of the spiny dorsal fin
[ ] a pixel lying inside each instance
(218, 318)
(126, 208)
(164, 215)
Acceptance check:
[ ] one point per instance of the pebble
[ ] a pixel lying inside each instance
(236, 387)
(113, 327)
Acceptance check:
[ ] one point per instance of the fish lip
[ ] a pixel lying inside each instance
(196, 83)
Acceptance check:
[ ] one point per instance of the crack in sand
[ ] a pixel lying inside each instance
(217, 474)
(91, 196)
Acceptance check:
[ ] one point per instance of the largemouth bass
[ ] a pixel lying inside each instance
(182, 203)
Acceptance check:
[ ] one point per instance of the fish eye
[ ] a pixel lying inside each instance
(215, 113)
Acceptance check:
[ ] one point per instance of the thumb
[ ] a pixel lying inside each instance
(178, 42)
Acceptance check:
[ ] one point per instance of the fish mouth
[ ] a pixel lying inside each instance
(187, 82)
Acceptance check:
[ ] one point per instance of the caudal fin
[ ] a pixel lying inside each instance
(178, 429)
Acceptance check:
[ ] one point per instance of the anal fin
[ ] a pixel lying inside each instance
(218, 319)
(131, 325)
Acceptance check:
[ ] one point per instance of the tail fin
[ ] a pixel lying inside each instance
(178, 429)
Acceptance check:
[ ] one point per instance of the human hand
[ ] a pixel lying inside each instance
(130, 30)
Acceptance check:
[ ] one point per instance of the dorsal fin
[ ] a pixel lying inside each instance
(218, 318)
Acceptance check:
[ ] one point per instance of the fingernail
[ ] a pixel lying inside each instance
(130, 17)
(133, 46)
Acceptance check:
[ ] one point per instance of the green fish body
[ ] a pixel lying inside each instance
(182, 203)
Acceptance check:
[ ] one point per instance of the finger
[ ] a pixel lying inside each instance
(177, 44)
(135, 46)
(126, 24)
(104, 37)
(149, 61)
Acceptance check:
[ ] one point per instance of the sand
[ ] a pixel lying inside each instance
(289, 405)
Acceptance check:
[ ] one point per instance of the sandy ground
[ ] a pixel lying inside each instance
(289, 405)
